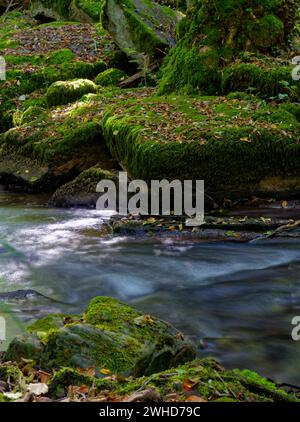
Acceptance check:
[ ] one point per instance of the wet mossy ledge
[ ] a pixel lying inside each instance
(114, 352)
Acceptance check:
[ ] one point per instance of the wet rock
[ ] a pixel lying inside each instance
(109, 335)
(81, 192)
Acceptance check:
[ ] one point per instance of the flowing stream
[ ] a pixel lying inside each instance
(235, 300)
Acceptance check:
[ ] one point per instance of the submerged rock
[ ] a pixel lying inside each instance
(109, 335)
(40, 155)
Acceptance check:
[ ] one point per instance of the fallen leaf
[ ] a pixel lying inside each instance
(44, 376)
(13, 396)
(89, 372)
(196, 399)
(38, 388)
(189, 384)
(105, 371)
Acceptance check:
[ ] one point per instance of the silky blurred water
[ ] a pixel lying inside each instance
(236, 301)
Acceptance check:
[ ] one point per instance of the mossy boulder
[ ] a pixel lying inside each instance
(110, 77)
(87, 11)
(24, 347)
(44, 156)
(236, 146)
(64, 92)
(110, 335)
(213, 34)
(140, 27)
(267, 78)
(81, 192)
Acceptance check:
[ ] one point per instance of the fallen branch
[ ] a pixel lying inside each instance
(137, 77)
(284, 227)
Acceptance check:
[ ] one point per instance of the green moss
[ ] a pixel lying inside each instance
(110, 77)
(47, 323)
(143, 27)
(55, 9)
(266, 32)
(261, 385)
(196, 138)
(213, 34)
(3, 399)
(92, 8)
(64, 92)
(108, 313)
(11, 374)
(30, 114)
(64, 55)
(81, 192)
(65, 377)
(266, 81)
(210, 381)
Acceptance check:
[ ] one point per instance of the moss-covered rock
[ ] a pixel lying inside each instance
(65, 377)
(110, 77)
(213, 34)
(271, 79)
(39, 156)
(86, 11)
(81, 192)
(64, 92)
(43, 155)
(57, 9)
(234, 145)
(24, 347)
(140, 27)
(110, 335)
